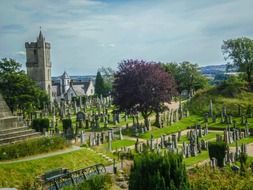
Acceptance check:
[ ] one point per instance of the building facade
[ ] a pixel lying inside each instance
(63, 87)
(38, 63)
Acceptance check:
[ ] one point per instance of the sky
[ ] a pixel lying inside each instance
(88, 34)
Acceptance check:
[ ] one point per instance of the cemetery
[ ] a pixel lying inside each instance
(149, 119)
(101, 134)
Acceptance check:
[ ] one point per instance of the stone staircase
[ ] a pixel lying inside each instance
(12, 128)
(13, 135)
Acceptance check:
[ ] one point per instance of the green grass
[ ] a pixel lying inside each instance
(14, 174)
(243, 141)
(194, 160)
(199, 104)
(117, 144)
(219, 125)
(209, 137)
(178, 126)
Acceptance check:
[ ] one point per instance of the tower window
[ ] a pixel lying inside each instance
(35, 52)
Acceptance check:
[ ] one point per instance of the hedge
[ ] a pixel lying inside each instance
(40, 124)
(32, 147)
(218, 151)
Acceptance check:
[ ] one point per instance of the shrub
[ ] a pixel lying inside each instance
(155, 171)
(205, 178)
(66, 123)
(232, 87)
(95, 183)
(40, 124)
(31, 147)
(218, 151)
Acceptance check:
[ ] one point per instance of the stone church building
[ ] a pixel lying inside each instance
(63, 87)
(39, 65)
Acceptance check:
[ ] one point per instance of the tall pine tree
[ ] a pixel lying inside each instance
(100, 85)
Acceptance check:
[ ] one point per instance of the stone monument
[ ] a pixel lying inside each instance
(12, 128)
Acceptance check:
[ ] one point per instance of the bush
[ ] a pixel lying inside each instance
(31, 147)
(232, 87)
(95, 183)
(217, 150)
(155, 171)
(66, 123)
(205, 178)
(40, 124)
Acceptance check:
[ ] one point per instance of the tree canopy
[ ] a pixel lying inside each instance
(100, 85)
(240, 52)
(142, 86)
(18, 90)
(108, 77)
(186, 75)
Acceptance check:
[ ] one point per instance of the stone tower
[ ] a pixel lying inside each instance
(38, 63)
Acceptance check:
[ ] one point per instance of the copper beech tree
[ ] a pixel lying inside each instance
(142, 86)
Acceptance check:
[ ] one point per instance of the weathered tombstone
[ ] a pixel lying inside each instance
(82, 138)
(211, 108)
(110, 140)
(120, 133)
(178, 135)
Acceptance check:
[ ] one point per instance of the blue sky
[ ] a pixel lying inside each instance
(88, 34)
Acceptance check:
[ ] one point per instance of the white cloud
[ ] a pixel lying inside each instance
(22, 53)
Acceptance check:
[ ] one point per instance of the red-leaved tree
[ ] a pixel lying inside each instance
(142, 86)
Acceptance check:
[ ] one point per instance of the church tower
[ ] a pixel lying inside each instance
(38, 63)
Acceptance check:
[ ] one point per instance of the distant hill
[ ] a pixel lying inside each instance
(84, 78)
(213, 69)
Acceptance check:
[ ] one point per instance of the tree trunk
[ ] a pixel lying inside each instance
(157, 119)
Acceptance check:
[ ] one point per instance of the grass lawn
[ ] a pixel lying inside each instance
(194, 160)
(14, 174)
(219, 125)
(243, 141)
(209, 137)
(178, 126)
(117, 144)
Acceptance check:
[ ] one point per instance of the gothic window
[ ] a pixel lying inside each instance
(35, 52)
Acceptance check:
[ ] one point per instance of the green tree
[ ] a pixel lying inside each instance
(18, 90)
(99, 85)
(142, 86)
(108, 76)
(187, 76)
(240, 52)
(156, 171)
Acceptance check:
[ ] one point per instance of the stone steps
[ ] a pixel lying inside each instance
(11, 130)
(19, 138)
(17, 133)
